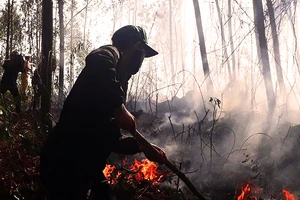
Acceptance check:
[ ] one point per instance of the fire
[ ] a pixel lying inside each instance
(247, 193)
(145, 170)
(288, 195)
(251, 192)
(107, 173)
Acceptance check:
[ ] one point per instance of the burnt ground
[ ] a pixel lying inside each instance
(20, 142)
(212, 152)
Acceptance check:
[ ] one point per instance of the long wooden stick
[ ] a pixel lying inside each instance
(170, 165)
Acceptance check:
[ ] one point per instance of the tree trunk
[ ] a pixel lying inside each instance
(276, 47)
(31, 34)
(182, 54)
(171, 42)
(194, 60)
(8, 30)
(37, 33)
(85, 18)
(297, 41)
(224, 46)
(264, 56)
(61, 52)
(292, 18)
(206, 70)
(231, 40)
(71, 47)
(29, 26)
(47, 34)
(11, 25)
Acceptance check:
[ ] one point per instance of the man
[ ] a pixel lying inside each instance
(12, 67)
(24, 76)
(36, 82)
(88, 129)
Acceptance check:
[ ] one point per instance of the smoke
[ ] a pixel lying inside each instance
(226, 144)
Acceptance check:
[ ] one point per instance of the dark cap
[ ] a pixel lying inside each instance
(131, 34)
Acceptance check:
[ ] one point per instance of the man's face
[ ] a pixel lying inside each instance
(136, 61)
(133, 58)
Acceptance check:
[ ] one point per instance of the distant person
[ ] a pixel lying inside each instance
(88, 129)
(36, 82)
(12, 67)
(24, 76)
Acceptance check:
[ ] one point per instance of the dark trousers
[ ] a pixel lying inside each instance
(71, 163)
(76, 187)
(70, 167)
(13, 88)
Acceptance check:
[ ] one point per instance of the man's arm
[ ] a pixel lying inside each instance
(5, 64)
(126, 121)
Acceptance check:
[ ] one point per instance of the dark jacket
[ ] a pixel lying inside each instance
(11, 70)
(85, 132)
(95, 94)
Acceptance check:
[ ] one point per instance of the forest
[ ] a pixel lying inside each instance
(222, 97)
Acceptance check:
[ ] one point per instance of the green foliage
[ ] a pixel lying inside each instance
(20, 143)
(17, 32)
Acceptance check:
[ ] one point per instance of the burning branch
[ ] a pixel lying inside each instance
(170, 165)
(130, 171)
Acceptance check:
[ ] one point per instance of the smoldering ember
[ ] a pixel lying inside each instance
(206, 95)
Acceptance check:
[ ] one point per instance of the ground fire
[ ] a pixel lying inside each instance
(139, 170)
(288, 195)
(248, 192)
(252, 192)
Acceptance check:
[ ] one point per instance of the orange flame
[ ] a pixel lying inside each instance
(247, 193)
(107, 173)
(147, 170)
(251, 192)
(288, 195)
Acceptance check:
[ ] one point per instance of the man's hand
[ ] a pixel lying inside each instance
(124, 119)
(154, 153)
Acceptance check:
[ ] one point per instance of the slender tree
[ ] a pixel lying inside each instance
(294, 25)
(224, 46)
(38, 30)
(182, 56)
(11, 24)
(8, 29)
(297, 42)
(264, 56)
(203, 53)
(11, 19)
(231, 40)
(171, 41)
(26, 7)
(61, 51)
(276, 48)
(47, 37)
(71, 46)
(85, 19)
